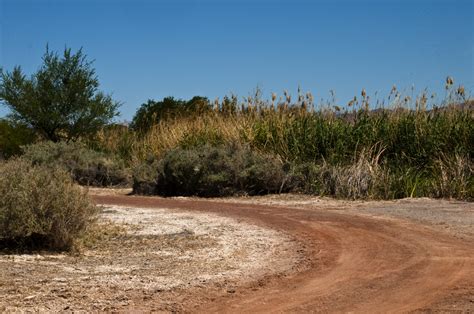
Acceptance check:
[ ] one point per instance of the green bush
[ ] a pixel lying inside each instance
(12, 136)
(86, 166)
(40, 207)
(145, 177)
(214, 171)
(304, 177)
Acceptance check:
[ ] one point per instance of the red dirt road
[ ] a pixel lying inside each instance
(354, 263)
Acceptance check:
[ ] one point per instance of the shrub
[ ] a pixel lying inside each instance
(145, 177)
(86, 166)
(304, 178)
(216, 171)
(41, 207)
(12, 136)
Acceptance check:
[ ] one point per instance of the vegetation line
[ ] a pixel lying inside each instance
(395, 147)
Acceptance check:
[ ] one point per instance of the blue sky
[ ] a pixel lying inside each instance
(152, 49)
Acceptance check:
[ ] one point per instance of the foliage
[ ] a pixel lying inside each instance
(87, 167)
(454, 177)
(410, 137)
(151, 112)
(217, 171)
(12, 136)
(114, 139)
(145, 176)
(61, 100)
(425, 149)
(40, 207)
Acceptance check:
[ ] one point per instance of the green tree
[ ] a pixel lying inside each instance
(151, 112)
(61, 100)
(12, 136)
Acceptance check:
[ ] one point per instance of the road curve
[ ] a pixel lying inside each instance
(355, 263)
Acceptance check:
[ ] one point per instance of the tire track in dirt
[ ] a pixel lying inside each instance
(354, 263)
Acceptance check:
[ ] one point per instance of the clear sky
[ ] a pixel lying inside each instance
(152, 49)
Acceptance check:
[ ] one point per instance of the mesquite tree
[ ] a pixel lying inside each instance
(61, 101)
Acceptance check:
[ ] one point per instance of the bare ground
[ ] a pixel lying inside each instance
(144, 257)
(287, 253)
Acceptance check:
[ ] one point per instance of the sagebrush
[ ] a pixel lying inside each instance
(211, 171)
(86, 166)
(41, 207)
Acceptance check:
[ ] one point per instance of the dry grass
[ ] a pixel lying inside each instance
(420, 140)
(455, 176)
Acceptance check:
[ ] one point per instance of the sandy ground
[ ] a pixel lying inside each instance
(362, 257)
(148, 254)
(282, 253)
(454, 217)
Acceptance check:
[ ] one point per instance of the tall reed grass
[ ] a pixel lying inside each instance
(422, 149)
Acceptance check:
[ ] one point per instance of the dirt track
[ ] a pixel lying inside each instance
(354, 263)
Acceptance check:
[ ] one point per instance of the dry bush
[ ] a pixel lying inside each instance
(364, 178)
(86, 166)
(454, 177)
(40, 207)
(145, 176)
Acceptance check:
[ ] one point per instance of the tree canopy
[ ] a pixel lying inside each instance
(152, 111)
(12, 136)
(61, 100)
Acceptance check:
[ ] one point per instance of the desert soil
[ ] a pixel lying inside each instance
(285, 253)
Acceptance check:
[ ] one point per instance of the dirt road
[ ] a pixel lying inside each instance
(354, 263)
